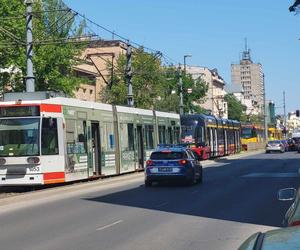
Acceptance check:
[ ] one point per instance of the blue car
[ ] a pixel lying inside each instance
(173, 163)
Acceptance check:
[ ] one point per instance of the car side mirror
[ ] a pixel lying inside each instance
(287, 194)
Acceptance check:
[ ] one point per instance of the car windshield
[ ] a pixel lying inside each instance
(296, 139)
(274, 142)
(19, 137)
(168, 155)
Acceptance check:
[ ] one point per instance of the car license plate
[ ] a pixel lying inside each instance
(165, 170)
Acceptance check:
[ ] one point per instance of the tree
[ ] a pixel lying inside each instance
(294, 6)
(53, 57)
(154, 86)
(236, 111)
(146, 79)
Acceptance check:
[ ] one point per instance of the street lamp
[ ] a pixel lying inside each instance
(184, 62)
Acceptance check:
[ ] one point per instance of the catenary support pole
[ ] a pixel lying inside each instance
(130, 101)
(30, 85)
(284, 111)
(180, 91)
(265, 112)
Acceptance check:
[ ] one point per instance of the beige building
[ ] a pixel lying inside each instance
(250, 76)
(214, 101)
(293, 123)
(98, 65)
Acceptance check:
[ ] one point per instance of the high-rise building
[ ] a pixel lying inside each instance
(250, 76)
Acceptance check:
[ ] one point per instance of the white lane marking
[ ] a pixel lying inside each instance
(162, 204)
(196, 191)
(109, 225)
(271, 175)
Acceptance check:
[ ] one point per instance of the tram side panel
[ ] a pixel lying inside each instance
(83, 160)
(76, 144)
(127, 138)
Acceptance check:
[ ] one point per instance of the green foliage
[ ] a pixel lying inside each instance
(147, 75)
(154, 86)
(236, 111)
(53, 58)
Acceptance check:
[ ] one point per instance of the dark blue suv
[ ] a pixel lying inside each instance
(173, 163)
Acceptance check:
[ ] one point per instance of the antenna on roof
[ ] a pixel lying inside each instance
(246, 53)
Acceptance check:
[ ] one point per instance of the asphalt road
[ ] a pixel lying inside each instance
(237, 198)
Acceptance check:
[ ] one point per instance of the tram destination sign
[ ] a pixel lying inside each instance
(19, 111)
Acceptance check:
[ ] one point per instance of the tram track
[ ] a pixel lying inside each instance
(11, 191)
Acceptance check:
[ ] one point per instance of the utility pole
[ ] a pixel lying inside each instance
(180, 90)
(30, 86)
(284, 111)
(128, 77)
(264, 111)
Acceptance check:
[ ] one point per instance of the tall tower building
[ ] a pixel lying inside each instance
(250, 76)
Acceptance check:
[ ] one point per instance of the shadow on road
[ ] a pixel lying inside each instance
(226, 193)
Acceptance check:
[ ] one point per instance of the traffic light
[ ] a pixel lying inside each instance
(297, 113)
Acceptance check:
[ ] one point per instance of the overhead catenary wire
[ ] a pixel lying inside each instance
(87, 39)
(11, 35)
(114, 34)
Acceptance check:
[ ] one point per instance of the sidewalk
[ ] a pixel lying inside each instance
(232, 157)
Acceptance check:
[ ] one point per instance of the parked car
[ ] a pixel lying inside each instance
(275, 145)
(173, 163)
(285, 144)
(292, 144)
(283, 239)
(292, 216)
(297, 142)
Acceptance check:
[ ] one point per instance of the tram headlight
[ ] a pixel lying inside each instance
(33, 160)
(2, 161)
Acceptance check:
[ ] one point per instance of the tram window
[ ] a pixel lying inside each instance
(70, 130)
(220, 136)
(81, 137)
(124, 136)
(162, 134)
(49, 136)
(127, 136)
(130, 136)
(76, 136)
(107, 137)
(208, 136)
(199, 134)
(149, 136)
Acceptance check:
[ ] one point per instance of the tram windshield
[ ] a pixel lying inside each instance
(248, 133)
(190, 131)
(19, 137)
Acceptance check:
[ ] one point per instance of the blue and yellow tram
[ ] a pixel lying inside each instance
(210, 136)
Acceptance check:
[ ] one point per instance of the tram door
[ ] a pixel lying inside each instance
(96, 149)
(170, 135)
(225, 141)
(140, 146)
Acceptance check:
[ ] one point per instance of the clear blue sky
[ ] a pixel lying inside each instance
(213, 33)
